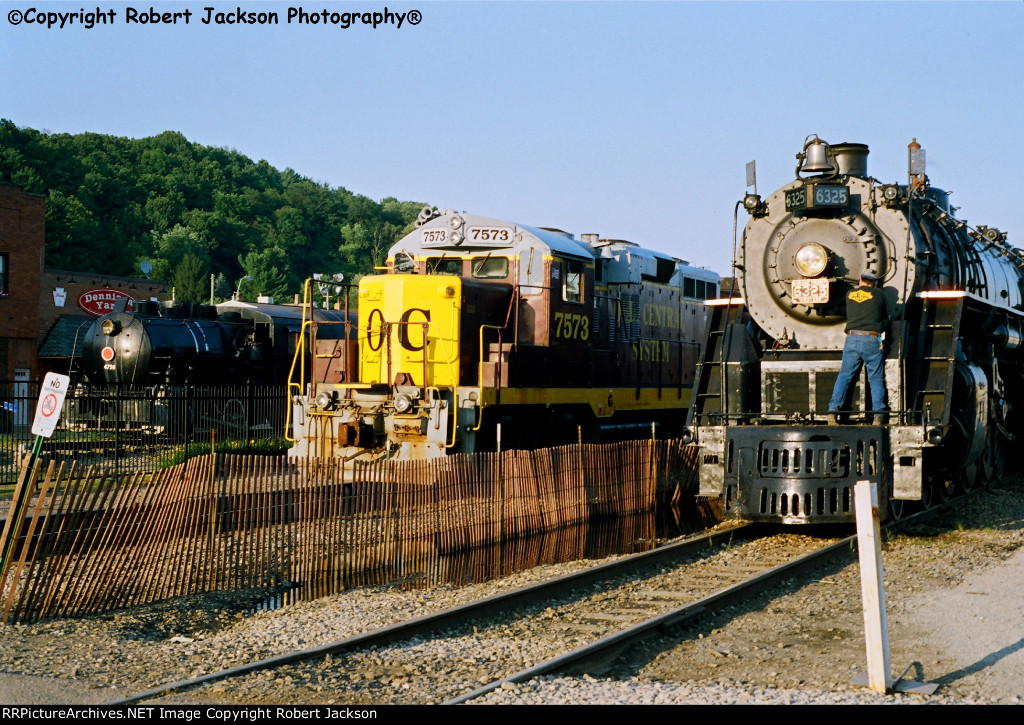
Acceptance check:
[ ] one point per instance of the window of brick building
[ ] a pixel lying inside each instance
(3, 275)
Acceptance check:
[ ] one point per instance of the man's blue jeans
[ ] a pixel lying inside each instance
(861, 350)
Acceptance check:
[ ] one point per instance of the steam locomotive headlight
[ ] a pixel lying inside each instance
(403, 403)
(811, 260)
(754, 206)
(110, 328)
(891, 194)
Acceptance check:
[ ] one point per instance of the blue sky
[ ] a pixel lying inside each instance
(632, 120)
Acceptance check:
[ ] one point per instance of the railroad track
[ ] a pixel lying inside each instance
(571, 622)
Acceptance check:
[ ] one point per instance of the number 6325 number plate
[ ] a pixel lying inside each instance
(810, 291)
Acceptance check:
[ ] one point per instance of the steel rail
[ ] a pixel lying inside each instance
(606, 647)
(459, 615)
(601, 649)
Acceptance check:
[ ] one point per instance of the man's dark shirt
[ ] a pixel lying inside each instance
(866, 310)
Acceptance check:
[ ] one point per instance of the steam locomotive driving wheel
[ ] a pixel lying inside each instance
(993, 457)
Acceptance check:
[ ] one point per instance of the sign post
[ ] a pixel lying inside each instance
(872, 585)
(51, 400)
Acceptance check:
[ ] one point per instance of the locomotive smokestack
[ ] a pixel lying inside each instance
(852, 159)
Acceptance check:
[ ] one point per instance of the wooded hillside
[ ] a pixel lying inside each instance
(193, 211)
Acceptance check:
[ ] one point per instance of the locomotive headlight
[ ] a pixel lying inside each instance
(811, 259)
(403, 403)
(325, 401)
(754, 206)
(455, 222)
(110, 328)
(456, 238)
(891, 195)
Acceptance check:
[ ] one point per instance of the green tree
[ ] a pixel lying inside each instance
(222, 289)
(114, 201)
(269, 271)
(171, 248)
(191, 280)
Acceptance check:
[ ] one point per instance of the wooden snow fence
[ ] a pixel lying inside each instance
(77, 541)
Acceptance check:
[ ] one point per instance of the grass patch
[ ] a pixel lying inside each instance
(265, 447)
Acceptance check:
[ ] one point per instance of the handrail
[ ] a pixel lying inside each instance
(480, 373)
(299, 353)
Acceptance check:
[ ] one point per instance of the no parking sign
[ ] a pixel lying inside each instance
(51, 399)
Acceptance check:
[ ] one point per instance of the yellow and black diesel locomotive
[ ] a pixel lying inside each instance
(484, 334)
(953, 349)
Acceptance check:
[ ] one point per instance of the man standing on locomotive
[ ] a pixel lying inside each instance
(867, 316)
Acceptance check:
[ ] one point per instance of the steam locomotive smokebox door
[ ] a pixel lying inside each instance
(742, 383)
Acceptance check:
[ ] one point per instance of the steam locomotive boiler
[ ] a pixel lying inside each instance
(486, 334)
(953, 349)
(178, 342)
(137, 363)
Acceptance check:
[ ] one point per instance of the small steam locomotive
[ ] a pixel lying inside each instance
(953, 350)
(142, 367)
(486, 334)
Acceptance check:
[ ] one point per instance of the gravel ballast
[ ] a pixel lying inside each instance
(955, 591)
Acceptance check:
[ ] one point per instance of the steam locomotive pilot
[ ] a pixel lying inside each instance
(867, 316)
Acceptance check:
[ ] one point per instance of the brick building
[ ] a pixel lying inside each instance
(44, 312)
(22, 237)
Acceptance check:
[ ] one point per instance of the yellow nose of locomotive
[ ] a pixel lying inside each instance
(408, 330)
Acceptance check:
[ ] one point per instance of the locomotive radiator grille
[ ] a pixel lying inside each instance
(825, 501)
(807, 459)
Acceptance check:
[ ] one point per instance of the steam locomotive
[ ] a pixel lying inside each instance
(953, 349)
(137, 364)
(485, 334)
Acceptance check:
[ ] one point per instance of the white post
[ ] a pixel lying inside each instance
(876, 626)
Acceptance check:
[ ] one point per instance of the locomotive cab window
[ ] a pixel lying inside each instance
(490, 267)
(404, 264)
(572, 284)
(444, 265)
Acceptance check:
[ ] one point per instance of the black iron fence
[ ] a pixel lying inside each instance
(132, 428)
